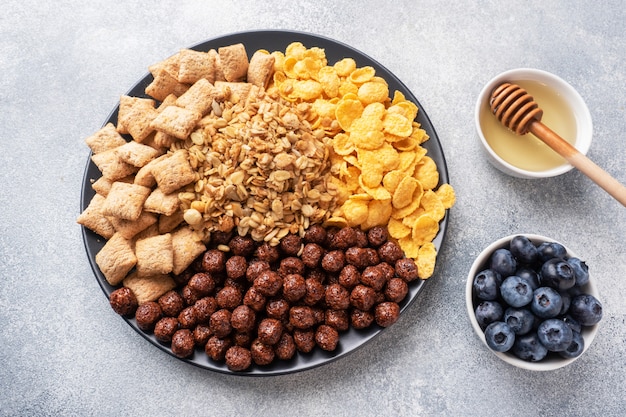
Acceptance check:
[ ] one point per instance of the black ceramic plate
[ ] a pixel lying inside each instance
(272, 41)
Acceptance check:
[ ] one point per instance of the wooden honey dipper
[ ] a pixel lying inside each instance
(518, 111)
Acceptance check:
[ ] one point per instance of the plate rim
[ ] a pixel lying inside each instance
(415, 289)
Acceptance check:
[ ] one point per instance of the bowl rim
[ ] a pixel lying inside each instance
(589, 333)
(582, 115)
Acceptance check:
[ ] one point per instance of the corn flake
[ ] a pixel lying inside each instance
(424, 229)
(362, 75)
(426, 173)
(426, 259)
(397, 229)
(345, 66)
(398, 125)
(347, 111)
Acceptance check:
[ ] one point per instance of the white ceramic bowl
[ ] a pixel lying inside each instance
(549, 363)
(576, 107)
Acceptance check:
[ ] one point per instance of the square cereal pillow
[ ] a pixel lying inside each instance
(93, 219)
(195, 65)
(155, 255)
(161, 203)
(176, 121)
(186, 248)
(125, 201)
(116, 259)
(130, 228)
(105, 139)
(136, 154)
(112, 166)
(173, 172)
(149, 288)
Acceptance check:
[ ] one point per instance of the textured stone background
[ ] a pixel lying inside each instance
(64, 65)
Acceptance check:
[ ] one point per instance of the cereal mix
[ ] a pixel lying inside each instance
(267, 152)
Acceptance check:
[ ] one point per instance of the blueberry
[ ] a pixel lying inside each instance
(546, 303)
(520, 320)
(558, 274)
(581, 271)
(529, 348)
(499, 336)
(549, 250)
(523, 249)
(555, 335)
(516, 291)
(486, 285)
(530, 276)
(572, 323)
(487, 312)
(503, 262)
(575, 348)
(586, 309)
(567, 301)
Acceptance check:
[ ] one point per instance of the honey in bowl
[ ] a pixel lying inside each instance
(526, 151)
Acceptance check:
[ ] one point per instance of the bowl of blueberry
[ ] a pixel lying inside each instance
(532, 302)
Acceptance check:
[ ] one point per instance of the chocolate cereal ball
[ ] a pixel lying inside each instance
(326, 337)
(377, 235)
(343, 238)
(294, 287)
(357, 257)
(254, 299)
(362, 297)
(406, 269)
(286, 347)
(188, 318)
(386, 313)
(291, 265)
(243, 318)
(277, 308)
(315, 291)
(202, 284)
(390, 252)
(214, 261)
(172, 303)
(338, 319)
(255, 267)
(267, 253)
(373, 276)
(238, 358)
(290, 245)
(334, 261)
(268, 283)
(312, 255)
(262, 354)
(337, 297)
(242, 246)
(147, 315)
(349, 276)
(165, 329)
(123, 301)
(396, 290)
(269, 331)
(201, 334)
(315, 234)
(216, 348)
(220, 323)
(183, 343)
(204, 307)
(361, 319)
(304, 340)
(236, 267)
(228, 297)
(301, 317)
